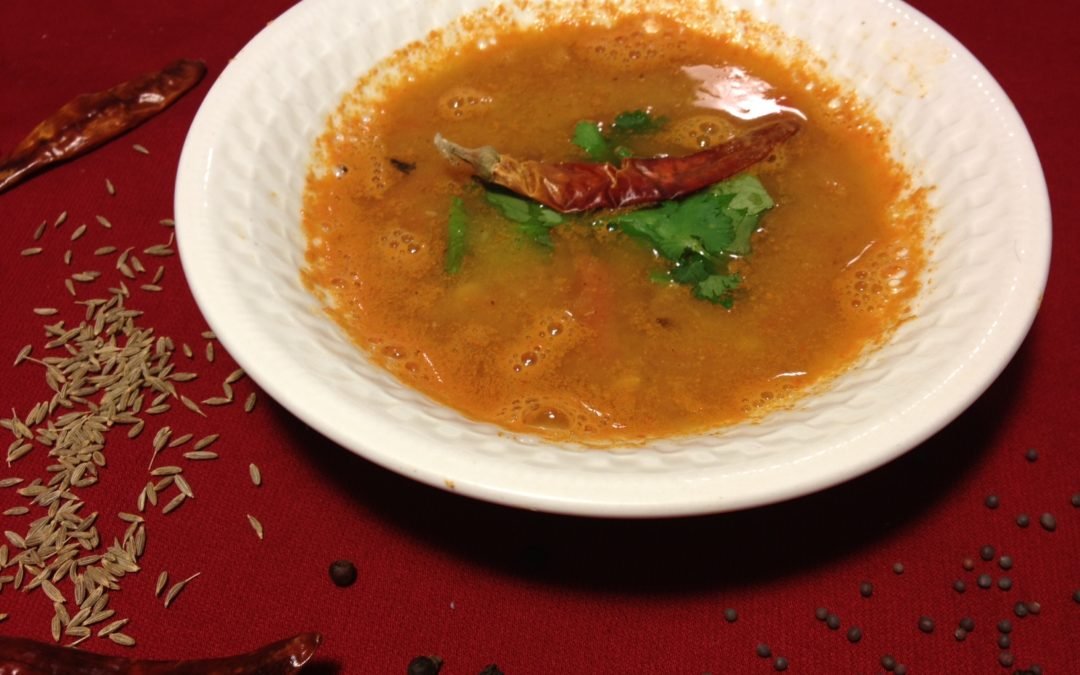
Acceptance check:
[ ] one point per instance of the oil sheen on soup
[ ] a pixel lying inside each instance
(577, 330)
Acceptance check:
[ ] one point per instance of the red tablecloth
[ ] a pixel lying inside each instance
(476, 583)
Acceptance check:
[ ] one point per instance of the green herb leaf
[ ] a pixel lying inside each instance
(638, 122)
(458, 225)
(588, 137)
(702, 232)
(534, 220)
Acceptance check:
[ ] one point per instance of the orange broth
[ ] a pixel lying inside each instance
(579, 342)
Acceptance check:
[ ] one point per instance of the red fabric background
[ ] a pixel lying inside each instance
(536, 593)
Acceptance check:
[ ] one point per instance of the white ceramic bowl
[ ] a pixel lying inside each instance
(238, 198)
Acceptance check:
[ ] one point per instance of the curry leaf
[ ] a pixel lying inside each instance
(534, 220)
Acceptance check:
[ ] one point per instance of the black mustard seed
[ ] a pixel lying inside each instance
(984, 581)
(821, 613)
(1004, 641)
(986, 552)
(960, 634)
(832, 621)
(866, 589)
(1020, 610)
(1005, 626)
(1075, 500)
(1004, 583)
(888, 663)
(730, 615)
(968, 564)
(900, 669)
(1005, 562)
(1033, 607)
(1023, 520)
(854, 634)
(959, 586)
(491, 669)
(1048, 521)
(425, 665)
(926, 624)
(780, 664)
(967, 623)
(992, 501)
(763, 650)
(1005, 659)
(1031, 454)
(342, 573)
(898, 568)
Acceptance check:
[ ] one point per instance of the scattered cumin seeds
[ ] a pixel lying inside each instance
(69, 285)
(122, 639)
(33, 250)
(249, 404)
(140, 149)
(162, 579)
(187, 351)
(210, 352)
(200, 454)
(45, 311)
(167, 222)
(235, 376)
(104, 222)
(180, 440)
(160, 250)
(60, 219)
(182, 485)
(67, 257)
(256, 475)
(10, 482)
(255, 525)
(17, 511)
(79, 231)
(217, 400)
(179, 586)
(105, 250)
(110, 188)
(23, 353)
(151, 288)
(158, 274)
(40, 231)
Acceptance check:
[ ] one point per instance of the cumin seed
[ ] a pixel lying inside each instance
(79, 231)
(162, 579)
(110, 188)
(122, 639)
(174, 503)
(200, 455)
(104, 222)
(256, 475)
(60, 219)
(140, 149)
(205, 441)
(33, 250)
(249, 404)
(255, 525)
(40, 231)
(179, 586)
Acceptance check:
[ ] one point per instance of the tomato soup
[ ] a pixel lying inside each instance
(583, 338)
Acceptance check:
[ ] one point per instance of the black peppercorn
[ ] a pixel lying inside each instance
(342, 573)
(424, 665)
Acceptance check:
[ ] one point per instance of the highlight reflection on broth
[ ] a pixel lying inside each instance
(609, 325)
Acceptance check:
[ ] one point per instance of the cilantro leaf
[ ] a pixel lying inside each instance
(588, 137)
(609, 147)
(458, 224)
(702, 232)
(534, 220)
(638, 122)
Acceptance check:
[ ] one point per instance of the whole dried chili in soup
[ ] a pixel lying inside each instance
(648, 301)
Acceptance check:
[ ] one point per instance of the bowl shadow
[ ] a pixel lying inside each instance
(679, 555)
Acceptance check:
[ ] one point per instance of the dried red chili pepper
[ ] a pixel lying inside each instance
(29, 657)
(90, 120)
(570, 187)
